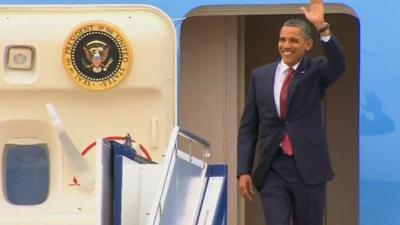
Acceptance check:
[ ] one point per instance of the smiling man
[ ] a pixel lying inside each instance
(283, 112)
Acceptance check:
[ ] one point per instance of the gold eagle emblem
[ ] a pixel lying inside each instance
(96, 54)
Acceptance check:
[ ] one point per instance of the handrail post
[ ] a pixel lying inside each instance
(195, 138)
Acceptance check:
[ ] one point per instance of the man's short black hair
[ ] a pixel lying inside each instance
(304, 26)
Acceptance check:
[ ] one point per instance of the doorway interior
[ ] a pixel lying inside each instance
(218, 50)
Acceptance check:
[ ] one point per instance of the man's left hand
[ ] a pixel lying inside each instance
(315, 13)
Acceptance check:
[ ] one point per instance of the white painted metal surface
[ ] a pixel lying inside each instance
(138, 188)
(211, 200)
(184, 197)
(182, 184)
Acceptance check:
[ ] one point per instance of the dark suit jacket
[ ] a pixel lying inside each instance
(304, 122)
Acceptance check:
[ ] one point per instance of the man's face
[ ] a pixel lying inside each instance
(293, 45)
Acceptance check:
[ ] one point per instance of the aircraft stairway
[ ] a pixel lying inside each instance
(183, 190)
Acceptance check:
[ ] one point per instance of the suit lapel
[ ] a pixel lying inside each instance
(270, 87)
(300, 72)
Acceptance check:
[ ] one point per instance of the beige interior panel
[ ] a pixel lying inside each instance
(208, 91)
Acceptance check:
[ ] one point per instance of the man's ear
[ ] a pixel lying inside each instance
(309, 44)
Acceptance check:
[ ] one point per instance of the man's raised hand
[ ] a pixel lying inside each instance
(315, 13)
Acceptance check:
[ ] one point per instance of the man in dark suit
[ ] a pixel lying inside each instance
(283, 113)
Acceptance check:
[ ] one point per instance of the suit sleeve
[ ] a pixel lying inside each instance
(248, 131)
(335, 65)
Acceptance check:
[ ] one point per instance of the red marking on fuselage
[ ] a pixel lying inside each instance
(75, 182)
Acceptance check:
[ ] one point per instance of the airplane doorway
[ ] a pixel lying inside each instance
(218, 52)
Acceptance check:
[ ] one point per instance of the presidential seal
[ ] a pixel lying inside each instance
(97, 56)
